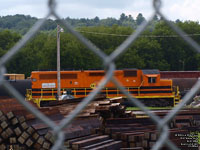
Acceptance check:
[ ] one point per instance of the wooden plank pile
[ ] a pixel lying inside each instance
(104, 124)
(127, 130)
(16, 134)
(32, 133)
(141, 133)
(93, 142)
(131, 131)
(111, 108)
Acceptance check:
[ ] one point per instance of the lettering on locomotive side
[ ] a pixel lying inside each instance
(48, 85)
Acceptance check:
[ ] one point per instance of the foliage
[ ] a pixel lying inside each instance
(157, 48)
(21, 23)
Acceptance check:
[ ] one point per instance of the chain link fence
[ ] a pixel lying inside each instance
(108, 63)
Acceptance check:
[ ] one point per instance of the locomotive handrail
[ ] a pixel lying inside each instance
(74, 92)
(117, 91)
(138, 91)
(140, 87)
(28, 94)
(106, 92)
(128, 89)
(41, 93)
(52, 92)
(85, 91)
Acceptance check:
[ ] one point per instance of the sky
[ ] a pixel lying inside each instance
(174, 9)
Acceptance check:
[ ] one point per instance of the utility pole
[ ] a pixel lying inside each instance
(58, 62)
(183, 64)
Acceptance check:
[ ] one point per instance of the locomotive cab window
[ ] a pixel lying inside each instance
(152, 79)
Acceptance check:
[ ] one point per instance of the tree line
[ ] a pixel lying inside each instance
(157, 48)
(22, 23)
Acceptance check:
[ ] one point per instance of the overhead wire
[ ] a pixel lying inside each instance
(147, 36)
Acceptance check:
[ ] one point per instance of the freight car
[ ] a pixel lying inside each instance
(20, 85)
(180, 74)
(185, 80)
(146, 85)
(18, 82)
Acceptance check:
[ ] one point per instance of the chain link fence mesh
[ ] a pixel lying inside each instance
(108, 62)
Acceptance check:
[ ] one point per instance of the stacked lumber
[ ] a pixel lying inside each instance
(103, 124)
(128, 130)
(77, 128)
(110, 108)
(11, 104)
(134, 132)
(93, 142)
(141, 132)
(16, 134)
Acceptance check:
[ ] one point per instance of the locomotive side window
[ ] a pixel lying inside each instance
(130, 73)
(68, 76)
(96, 74)
(48, 76)
(152, 79)
(54, 76)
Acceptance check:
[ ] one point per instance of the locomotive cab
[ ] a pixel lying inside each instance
(151, 77)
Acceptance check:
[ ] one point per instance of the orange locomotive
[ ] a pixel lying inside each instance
(142, 84)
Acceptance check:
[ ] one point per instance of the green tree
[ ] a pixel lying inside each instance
(139, 19)
(8, 39)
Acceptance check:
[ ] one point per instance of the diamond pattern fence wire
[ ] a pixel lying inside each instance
(108, 63)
